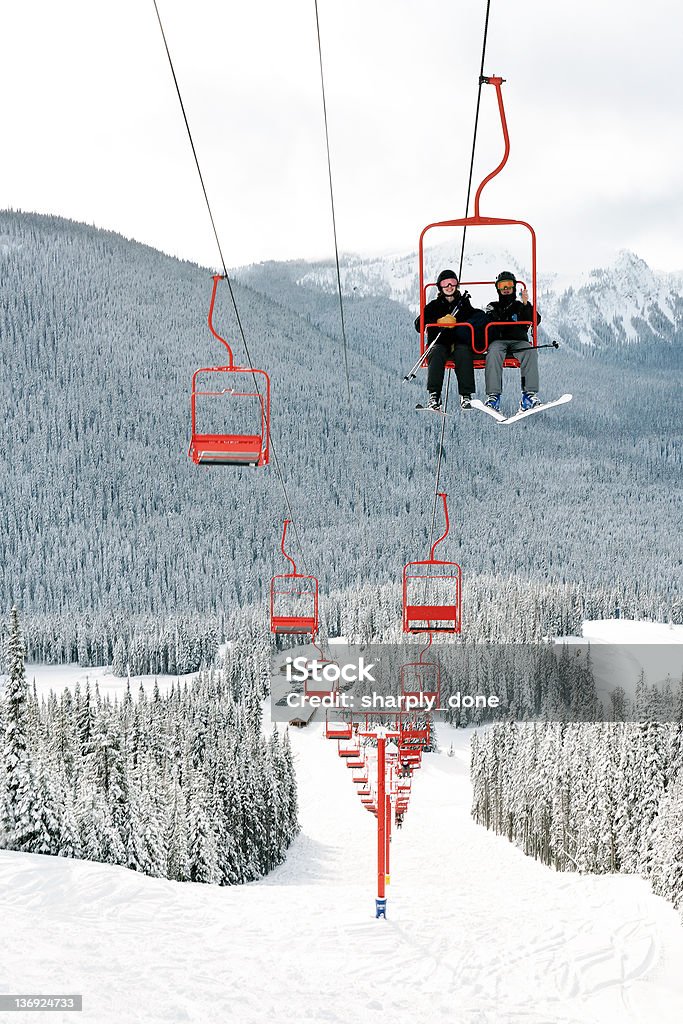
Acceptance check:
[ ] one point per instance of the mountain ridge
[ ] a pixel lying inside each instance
(625, 303)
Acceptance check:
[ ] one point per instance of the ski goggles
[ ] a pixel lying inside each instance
(449, 283)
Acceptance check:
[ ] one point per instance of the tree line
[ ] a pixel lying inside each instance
(181, 785)
(599, 798)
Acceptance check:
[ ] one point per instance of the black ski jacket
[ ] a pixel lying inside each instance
(511, 310)
(461, 308)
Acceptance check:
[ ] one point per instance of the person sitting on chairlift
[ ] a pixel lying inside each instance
(450, 308)
(513, 341)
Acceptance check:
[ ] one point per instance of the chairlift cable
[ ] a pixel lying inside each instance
(226, 275)
(474, 137)
(334, 220)
(462, 253)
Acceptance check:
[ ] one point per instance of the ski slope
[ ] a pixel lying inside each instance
(476, 932)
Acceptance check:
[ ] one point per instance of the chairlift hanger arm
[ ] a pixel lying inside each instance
(497, 82)
(428, 645)
(445, 533)
(216, 279)
(282, 546)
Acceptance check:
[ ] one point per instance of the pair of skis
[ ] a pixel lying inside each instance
(498, 416)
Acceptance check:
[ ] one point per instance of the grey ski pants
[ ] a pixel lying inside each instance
(528, 361)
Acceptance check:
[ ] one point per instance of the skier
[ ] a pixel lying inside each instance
(513, 339)
(447, 310)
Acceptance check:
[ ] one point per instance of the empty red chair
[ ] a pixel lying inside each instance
(223, 395)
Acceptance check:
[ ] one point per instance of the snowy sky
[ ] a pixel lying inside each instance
(93, 130)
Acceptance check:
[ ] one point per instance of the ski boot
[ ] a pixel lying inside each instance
(529, 400)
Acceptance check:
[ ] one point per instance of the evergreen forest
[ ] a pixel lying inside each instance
(110, 535)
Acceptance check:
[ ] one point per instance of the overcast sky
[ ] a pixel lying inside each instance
(92, 129)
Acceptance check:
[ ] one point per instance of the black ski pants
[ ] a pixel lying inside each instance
(460, 351)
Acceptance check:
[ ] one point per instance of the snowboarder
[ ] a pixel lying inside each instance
(513, 340)
(450, 308)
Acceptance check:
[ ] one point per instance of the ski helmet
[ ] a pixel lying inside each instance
(506, 275)
(446, 275)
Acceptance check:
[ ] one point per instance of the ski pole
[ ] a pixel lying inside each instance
(412, 374)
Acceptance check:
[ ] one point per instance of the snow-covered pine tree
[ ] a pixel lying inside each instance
(177, 855)
(19, 822)
(202, 853)
(666, 864)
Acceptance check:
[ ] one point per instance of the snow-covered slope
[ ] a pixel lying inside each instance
(622, 649)
(477, 933)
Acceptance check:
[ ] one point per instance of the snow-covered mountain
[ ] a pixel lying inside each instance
(396, 276)
(625, 303)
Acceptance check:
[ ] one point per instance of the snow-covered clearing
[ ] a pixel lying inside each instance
(60, 677)
(476, 932)
(623, 648)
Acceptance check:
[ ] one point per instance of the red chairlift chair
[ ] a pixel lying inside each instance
(239, 383)
(413, 736)
(478, 221)
(337, 730)
(321, 689)
(421, 679)
(293, 599)
(424, 582)
(348, 748)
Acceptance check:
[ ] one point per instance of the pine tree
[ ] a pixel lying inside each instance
(177, 858)
(19, 812)
(120, 664)
(291, 794)
(666, 869)
(201, 840)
